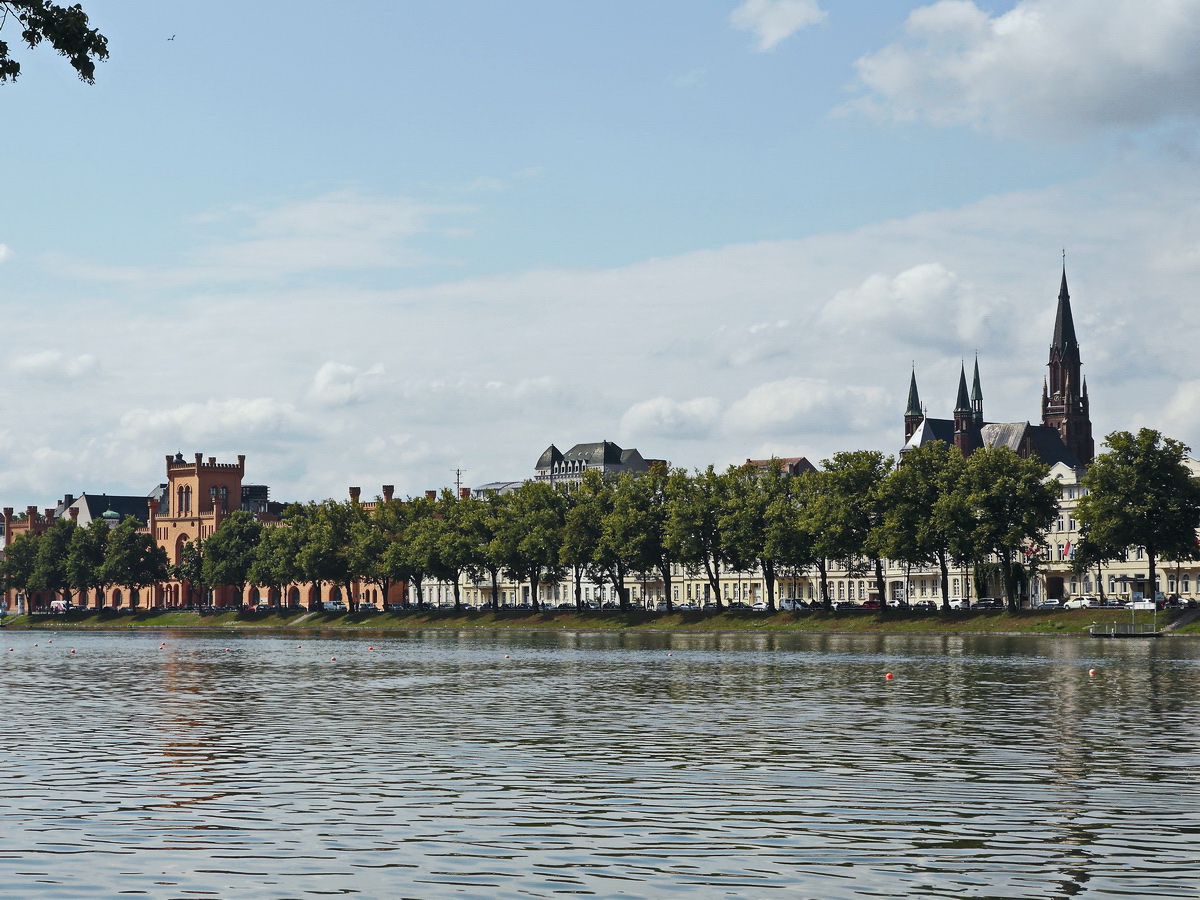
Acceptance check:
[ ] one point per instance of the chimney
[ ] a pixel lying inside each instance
(388, 490)
(464, 493)
(431, 495)
(355, 493)
(74, 511)
(199, 460)
(68, 499)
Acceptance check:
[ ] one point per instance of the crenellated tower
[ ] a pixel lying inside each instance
(1064, 392)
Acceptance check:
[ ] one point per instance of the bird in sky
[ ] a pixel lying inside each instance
(171, 38)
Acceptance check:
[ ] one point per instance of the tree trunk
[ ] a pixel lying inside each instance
(664, 569)
(879, 584)
(823, 569)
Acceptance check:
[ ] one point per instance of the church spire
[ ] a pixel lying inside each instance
(913, 414)
(1064, 324)
(914, 400)
(977, 396)
(963, 403)
(1064, 396)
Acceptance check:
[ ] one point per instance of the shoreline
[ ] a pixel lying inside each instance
(1025, 622)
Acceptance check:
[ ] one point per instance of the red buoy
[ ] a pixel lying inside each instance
(888, 677)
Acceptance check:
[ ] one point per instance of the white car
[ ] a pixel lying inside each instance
(1084, 602)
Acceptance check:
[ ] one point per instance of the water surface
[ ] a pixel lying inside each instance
(501, 764)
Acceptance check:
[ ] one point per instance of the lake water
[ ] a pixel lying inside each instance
(501, 764)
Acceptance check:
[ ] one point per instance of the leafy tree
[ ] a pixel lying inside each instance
(325, 555)
(452, 551)
(921, 502)
(132, 557)
(50, 572)
(854, 498)
(190, 569)
(1011, 503)
(273, 563)
(65, 28)
(694, 524)
(229, 552)
(1141, 494)
(754, 521)
(85, 559)
(20, 558)
(529, 535)
(370, 539)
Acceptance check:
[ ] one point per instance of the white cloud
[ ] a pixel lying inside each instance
(229, 422)
(926, 306)
(53, 365)
(801, 406)
(5, 253)
(664, 417)
(337, 384)
(1050, 67)
(773, 21)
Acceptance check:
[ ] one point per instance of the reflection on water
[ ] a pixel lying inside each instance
(497, 764)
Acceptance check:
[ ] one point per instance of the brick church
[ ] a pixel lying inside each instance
(1065, 435)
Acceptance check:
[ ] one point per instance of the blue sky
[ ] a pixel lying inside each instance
(378, 242)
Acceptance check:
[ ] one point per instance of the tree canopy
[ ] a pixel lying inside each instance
(1141, 494)
(65, 28)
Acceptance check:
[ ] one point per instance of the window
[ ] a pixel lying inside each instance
(1141, 553)
(1112, 584)
(1060, 523)
(852, 590)
(1185, 585)
(1074, 587)
(1071, 526)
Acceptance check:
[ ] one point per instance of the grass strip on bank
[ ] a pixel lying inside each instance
(890, 620)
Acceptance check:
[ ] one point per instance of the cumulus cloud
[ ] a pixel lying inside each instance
(773, 21)
(5, 253)
(1045, 66)
(230, 422)
(805, 405)
(338, 384)
(53, 365)
(924, 306)
(664, 417)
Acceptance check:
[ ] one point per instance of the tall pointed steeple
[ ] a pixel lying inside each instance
(964, 416)
(963, 403)
(912, 414)
(977, 396)
(1064, 395)
(1064, 324)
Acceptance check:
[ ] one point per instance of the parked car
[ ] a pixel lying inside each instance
(869, 604)
(988, 603)
(1082, 602)
(846, 605)
(367, 608)
(925, 604)
(1051, 604)
(333, 606)
(789, 605)
(960, 603)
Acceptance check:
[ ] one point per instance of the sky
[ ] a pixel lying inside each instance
(405, 243)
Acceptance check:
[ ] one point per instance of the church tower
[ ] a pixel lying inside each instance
(913, 414)
(1064, 392)
(964, 416)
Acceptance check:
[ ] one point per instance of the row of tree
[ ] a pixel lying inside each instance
(938, 509)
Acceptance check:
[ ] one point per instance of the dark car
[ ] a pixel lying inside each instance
(989, 603)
